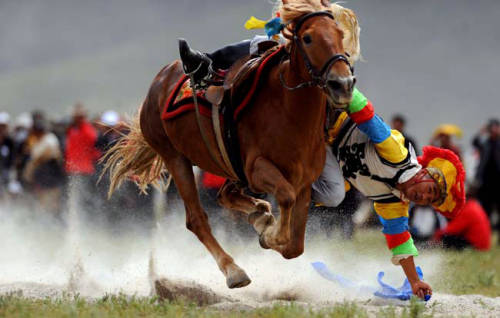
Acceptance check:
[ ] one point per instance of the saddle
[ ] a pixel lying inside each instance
(226, 103)
(232, 98)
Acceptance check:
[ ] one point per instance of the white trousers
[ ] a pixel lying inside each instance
(329, 189)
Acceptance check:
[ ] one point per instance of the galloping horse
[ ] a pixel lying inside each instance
(281, 137)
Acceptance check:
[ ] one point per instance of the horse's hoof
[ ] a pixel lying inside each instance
(261, 220)
(252, 217)
(262, 242)
(263, 206)
(237, 279)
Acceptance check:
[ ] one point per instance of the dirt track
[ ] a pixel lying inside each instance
(441, 305)
(40, 261)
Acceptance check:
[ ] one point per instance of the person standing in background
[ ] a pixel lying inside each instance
(81, 156)
(443, 137)
(6, 153)
(81, 153)
(43, 171)
(487, 178)
(398, 122)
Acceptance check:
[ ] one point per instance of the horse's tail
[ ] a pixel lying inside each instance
(132, 157)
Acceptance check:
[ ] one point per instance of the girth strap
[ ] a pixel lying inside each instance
(213, 155)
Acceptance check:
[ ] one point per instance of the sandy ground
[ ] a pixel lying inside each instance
(40, 259)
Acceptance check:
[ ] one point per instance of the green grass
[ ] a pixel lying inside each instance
(124, 306)
(470, 272)
(464, 272)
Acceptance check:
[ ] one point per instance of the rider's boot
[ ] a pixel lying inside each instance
(194, 61)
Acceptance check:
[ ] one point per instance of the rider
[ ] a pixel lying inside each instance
(374, 159)
(382, 166)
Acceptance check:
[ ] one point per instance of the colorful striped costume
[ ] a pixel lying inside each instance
(374, 159)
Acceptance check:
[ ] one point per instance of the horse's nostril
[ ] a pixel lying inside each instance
(334, 85)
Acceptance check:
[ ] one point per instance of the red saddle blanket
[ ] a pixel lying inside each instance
(181, 100)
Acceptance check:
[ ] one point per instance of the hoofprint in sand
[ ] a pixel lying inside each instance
(40, 260)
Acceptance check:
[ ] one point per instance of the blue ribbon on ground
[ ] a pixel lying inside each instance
(384, 290)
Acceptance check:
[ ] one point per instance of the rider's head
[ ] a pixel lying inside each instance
(440, 183)
(426, 187)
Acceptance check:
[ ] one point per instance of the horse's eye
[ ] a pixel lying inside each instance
(307, 39)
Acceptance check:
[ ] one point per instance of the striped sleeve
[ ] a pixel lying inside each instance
(389, 143)
(394, 219)
(362, 113)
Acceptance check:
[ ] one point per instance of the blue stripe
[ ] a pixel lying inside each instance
(394, 226)
(376, 129)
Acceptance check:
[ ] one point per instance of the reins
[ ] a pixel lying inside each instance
(318, 77)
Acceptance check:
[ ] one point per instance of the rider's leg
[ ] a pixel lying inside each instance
(198, 62)
(329, 189)
(224, 57)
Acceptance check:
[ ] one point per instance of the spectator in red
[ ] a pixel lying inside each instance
(81, 153)
(470, 228)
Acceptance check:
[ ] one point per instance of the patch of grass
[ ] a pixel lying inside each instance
(469, 272)
(416, 309)
(125, 306)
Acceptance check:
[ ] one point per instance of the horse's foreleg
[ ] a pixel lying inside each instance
(197, 221)
(267, 177)
(232, 197)
(298, 225)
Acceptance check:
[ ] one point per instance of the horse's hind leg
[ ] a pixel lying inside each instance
(232, 197)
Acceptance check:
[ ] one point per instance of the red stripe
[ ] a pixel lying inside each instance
(205, 111)
(174, 93)
(254, 84)
(363, 115)
(394, 240)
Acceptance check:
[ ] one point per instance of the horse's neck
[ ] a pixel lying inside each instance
(307, 105)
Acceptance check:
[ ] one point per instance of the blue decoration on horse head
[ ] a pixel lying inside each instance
(274, 27)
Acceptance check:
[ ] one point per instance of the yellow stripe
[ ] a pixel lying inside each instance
(393, 148)
(391, 210)
(347, 185)
(450, 174)
(334, 130)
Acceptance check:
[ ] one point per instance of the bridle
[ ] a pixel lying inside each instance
(318, 77)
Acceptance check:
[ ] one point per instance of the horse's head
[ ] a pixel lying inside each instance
(317, 39)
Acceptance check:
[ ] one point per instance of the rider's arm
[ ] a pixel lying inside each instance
(394, 219)
(390, 144)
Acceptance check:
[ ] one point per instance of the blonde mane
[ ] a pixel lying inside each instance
(346, 20)
(297, 8)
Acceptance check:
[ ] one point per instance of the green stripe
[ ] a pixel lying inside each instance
(358, 101)
(407, 248)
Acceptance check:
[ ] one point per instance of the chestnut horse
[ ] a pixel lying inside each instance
(281, 138)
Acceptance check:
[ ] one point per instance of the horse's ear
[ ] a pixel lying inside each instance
(325, 3)
(286, 1)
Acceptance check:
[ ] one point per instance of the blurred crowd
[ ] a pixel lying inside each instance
(44, 163)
